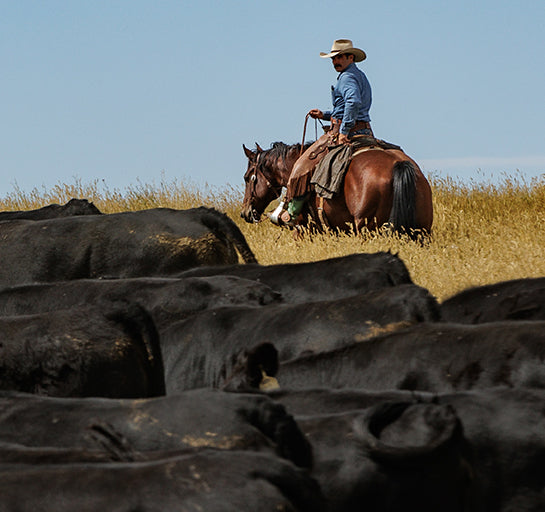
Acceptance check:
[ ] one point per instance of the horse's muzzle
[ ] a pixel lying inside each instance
(250, 215)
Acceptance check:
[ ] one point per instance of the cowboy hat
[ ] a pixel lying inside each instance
(341, 46)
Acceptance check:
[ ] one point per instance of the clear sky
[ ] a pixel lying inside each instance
(134, 91)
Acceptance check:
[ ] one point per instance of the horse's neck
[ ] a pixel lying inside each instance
(283, 170)
(289, 162)
(283, 175)
(280, 170)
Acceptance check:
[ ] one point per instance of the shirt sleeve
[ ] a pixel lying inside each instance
(352, 102)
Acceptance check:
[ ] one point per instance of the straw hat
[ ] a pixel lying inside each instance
(341, 46)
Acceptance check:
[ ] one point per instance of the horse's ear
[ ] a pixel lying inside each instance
(259, 149)
(249, 153)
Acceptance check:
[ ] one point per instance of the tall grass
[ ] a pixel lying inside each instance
(483, 232)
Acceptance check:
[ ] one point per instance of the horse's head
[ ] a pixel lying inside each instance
(261, 186)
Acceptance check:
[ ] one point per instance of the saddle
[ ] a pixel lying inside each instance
(328, 177)
(366, 142)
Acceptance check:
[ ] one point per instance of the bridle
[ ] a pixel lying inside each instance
(277, 189)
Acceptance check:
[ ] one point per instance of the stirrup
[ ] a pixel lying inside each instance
(275, 215)
(289, 223)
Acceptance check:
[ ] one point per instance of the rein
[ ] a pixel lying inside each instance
(304, 135)
(320, 207)
(305, 132)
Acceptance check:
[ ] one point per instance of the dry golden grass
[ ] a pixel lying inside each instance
(482, 233)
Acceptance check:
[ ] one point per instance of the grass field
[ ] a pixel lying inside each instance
(482, 232)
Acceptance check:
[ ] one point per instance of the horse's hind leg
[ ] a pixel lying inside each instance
(372, 208)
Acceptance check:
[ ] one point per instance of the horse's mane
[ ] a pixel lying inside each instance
(280, 149)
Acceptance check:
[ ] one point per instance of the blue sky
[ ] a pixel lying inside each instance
(139, 91)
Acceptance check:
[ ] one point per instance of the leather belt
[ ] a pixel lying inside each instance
(360, 125)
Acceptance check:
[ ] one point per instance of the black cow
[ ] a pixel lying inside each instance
(519, 299)
(156, 242)
(202, 350)
(166, 299)
(111, 350)
(316, 401)
(13, 453)
(426, 356)
(328, 279)
(227, 481)
(400, 450)
(391, 464)
(53, 211)
(52, 428)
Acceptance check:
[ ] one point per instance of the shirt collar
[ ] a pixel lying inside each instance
(350, 66)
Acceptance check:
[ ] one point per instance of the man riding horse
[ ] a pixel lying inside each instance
(351, 97)
(347, 180)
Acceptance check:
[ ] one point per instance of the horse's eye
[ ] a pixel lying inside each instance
(253, 177)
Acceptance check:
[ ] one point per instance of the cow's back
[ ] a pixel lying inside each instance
(156, 242)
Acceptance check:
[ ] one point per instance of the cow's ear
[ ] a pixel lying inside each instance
(408, 433)
(249, 153)
(253, 367)
(421, 454)
(262, 366)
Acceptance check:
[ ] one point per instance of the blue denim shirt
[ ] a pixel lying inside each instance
(351, 98)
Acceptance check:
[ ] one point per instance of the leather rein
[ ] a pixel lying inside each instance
(305, 132)
(320, 207)
(278, 188)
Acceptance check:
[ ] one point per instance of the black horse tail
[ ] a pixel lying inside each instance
(403, 213)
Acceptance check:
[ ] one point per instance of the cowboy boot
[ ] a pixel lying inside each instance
(275, 215)
(289, 216)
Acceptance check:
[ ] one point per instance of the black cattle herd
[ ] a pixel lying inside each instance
(143, 369)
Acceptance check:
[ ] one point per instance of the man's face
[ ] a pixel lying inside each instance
(341, 62)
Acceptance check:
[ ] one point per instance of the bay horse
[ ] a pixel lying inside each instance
(381, 186)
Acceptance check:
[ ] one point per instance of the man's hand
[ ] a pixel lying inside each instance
(343, 139)
(316, 113)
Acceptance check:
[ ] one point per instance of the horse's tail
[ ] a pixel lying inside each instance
(403, 213)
